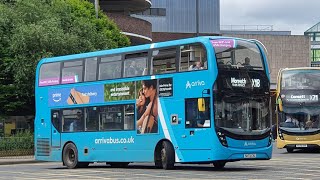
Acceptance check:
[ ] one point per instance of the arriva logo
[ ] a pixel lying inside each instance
(301, 138)
(194, 84)
(56, 97)
(249, 143)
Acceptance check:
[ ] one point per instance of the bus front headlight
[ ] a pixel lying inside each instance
(222, 138)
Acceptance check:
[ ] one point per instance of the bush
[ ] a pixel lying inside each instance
(20, 144)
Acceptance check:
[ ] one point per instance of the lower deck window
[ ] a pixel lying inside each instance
(197, 112)
(102, 118)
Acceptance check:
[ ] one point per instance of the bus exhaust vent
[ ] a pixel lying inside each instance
(43, 147)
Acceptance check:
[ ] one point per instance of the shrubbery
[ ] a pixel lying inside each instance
(20, 144)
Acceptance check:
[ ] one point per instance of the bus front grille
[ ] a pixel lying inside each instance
(43, 147)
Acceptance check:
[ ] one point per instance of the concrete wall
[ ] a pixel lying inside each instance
(283, 51)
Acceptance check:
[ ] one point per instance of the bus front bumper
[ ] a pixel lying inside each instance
(297, 144)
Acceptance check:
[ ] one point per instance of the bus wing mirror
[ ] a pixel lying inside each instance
(201, 105)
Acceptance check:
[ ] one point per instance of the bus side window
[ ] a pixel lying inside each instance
(164, 60)
(129, 117)
(73, 120)
(191, 55)
(49, 74)
(90, 73)
(135, 64)
(110, 67)
(194, 117)
(72, 72)
(55, 118)
(92, 119)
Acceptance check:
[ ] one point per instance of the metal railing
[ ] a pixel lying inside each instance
(246, 27)
(16, 146)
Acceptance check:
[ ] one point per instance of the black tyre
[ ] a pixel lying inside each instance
(219, 164)
(83, 164)
(290, 150)
(118, 164)
(167, 155)
(158, 164)
(70, 156)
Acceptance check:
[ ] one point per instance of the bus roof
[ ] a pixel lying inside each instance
(133, 48)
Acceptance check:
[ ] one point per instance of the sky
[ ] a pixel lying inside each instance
(296, 16)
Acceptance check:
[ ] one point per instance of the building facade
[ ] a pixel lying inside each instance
(138, 30)
(182, 18)
(314, 35)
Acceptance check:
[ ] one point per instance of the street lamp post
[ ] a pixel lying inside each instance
(96, 7)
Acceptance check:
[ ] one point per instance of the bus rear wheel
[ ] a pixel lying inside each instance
(167, 155)
(70, 156)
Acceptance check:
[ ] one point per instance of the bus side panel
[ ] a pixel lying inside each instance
(42, 127)
(117, 146)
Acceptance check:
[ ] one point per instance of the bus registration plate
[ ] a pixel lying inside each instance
(301, 145)
(250, 156)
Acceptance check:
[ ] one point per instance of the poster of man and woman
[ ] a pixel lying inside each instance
(146, 93)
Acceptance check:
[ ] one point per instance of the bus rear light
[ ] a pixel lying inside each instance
(222, 139)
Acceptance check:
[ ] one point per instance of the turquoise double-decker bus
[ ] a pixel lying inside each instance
(195, 100)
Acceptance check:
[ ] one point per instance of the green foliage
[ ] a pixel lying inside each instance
(33, 29)
(19, 144)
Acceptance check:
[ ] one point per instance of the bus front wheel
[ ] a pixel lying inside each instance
(219, 164)
(167, 155)
(289, 150)
(70, 156)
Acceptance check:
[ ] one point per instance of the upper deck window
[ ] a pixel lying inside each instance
(135, 64)
(300, 79)
(90, 69)
(49, 74)
(232, 53)
(72, 72)
(193, 57)
(164, 60)
(110, 67)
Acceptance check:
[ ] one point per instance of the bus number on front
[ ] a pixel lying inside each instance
(313, 97)
(255, 82)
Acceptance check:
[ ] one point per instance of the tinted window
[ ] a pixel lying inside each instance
(55, 118)
(110, 70)
(135, 64)
(72, 72)
(90, 69)
(110, 67)
(197, 117)
(49, 74)
(232, 53)
(193, 57)
(164, 60)
(117, 117)
(72, 120)
(92, 119)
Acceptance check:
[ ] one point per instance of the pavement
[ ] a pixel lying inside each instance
(17, 160)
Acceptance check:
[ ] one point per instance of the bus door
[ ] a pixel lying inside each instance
(55, 128)
(197, 124)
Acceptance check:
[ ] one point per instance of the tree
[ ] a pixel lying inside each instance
(33, 29)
